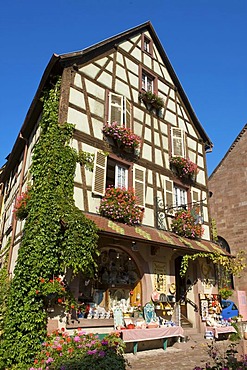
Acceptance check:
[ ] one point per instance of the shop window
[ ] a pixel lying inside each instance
(119, 110)
(178, 144)
(117, 285)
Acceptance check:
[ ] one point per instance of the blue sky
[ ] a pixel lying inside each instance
(205, 41)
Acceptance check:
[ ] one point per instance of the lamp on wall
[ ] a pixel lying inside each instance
(134, 246)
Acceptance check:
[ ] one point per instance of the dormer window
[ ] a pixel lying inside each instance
(147, 45)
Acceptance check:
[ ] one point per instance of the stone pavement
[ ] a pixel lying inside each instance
(179, 356)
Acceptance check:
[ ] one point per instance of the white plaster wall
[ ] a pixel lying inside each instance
(147, 134)
(77, 98)
(106, 79)
(79, 119)
(95, 89)
(77, 80)
(78, 198)
(96, 107)
(149, 195)
(170, 117)
(122, 88)
(97, 128)
(90, 70)
(148, 217)
(147, 151)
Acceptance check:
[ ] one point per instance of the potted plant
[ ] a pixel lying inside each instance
(21, 205)
(119, 204)
(184, 167)
(225, 292)
(151, 100)
(54, 291)
(121, 136)
(184, 224)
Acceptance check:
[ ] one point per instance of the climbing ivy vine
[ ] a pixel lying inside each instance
(4, 285)
(56, 236)
(230, 265)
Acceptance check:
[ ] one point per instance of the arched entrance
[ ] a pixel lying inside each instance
(117, 285)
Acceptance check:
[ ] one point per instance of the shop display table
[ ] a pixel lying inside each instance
(217, 330)
(138, 335)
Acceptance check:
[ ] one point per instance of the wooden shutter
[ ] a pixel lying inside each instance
(169, 197)
(196, 207)
(127, 113)
(11, 214)
(139, 184)
(99, 174)
(177, 142)
(115, 109)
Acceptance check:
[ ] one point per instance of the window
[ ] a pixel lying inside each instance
(119, 110)
(175, 197)
(147, 82)
(147, 45)
(116, 174)
(108, 172)
(177, 136)
(180, 197)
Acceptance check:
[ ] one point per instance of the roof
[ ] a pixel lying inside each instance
(58, 62)
(233, 145)
(147, 234)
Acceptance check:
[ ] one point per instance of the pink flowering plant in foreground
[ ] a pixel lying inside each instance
(184, 224)
(119, 204)
(226, 360)
(80, 351)
(122, 135)
(184, 166)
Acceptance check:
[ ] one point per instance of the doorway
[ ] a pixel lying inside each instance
(180, 286)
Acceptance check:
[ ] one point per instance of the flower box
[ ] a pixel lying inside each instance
(184, 224)
(121, 137)
(184, 167)
(21, 210)
(151, 100)
(119, 205)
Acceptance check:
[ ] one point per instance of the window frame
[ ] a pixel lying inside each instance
(178, 193)
(149, 75)
(125, 108)
(147, 40)
(178, 135)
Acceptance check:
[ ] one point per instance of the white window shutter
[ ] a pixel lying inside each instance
(169, 197)
(115, 109)
(99, 173)
(177, 142)
(127, 113)
(11, 214)
(196, 208)
(139, 184)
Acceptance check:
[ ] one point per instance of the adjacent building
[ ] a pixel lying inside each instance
(228, 204)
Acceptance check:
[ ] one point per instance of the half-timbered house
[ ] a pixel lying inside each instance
(127, 80)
